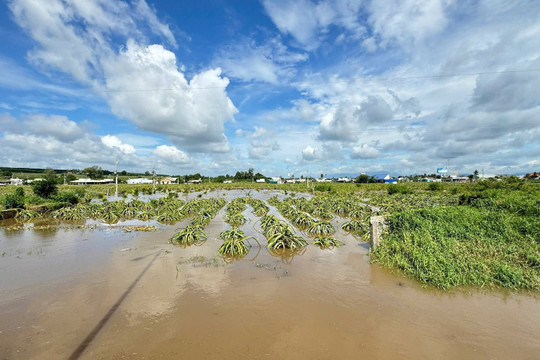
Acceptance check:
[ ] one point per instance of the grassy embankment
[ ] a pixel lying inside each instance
(491, 239)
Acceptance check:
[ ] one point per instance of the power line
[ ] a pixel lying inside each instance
(369, 78)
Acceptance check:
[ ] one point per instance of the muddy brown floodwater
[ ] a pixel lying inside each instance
(108, 294)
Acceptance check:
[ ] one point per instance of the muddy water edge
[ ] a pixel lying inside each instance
(103, 293)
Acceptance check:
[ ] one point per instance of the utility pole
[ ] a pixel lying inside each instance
(307, 179)
(116, 176)
(154, 181)
(64, 178)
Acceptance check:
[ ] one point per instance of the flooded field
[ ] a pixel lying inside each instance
(101, 292)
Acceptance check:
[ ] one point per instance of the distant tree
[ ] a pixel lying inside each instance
(6, 173)
(49, 173)
(364, 179)
(246, 175)
(47, 187)
(94, 172)
(70, 177)
(258, 176)
(123, 173)
(146, 173)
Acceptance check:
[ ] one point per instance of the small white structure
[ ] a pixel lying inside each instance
(197, 181)
(139, 181)
(89, 181)
(344, 180)
(16, 181)
(227, 182)
(260, 180)
(167, 180)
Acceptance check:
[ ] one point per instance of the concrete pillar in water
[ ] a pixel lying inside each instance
(376, 228)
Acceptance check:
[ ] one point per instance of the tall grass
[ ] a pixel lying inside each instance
(490, 243)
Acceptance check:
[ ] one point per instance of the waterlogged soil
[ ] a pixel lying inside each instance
(99, 292)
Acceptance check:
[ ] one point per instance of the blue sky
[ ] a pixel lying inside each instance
(343, 86)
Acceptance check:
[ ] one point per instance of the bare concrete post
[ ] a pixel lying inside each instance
(376, 228)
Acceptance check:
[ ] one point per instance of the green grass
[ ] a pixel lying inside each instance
(466, 245)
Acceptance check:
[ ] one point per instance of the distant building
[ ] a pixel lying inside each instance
(167, 180)
(16, 181)
(384, 178)
(276, 180)
(197, 181)
(260, 180)
(89, 181)
(139, 181)
(228, 182)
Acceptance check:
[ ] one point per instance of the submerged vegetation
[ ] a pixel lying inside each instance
(444, 235)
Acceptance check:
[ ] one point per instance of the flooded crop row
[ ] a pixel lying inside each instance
(107, 290)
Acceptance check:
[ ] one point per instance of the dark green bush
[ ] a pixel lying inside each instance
(13, 201)
(323, 187)
(45, 188)
(67, 197)
(19, 191)
(399, 189)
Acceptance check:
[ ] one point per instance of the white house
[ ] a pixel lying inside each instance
(167, 180)
(89, 181)
(16, 181)
(139, 181)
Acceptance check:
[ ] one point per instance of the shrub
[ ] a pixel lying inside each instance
(19, 191)
(323, 187)
(45, 188)
(433, 186)
(398, 189)
(67, 197)
(13, 201)
(80, 191)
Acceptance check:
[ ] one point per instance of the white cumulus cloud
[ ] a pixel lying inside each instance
(115, 143)
(172, 154)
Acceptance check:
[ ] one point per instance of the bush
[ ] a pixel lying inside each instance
(433, 186)
(323, 187)
(80, 191)
(67, 197)
(13, 201)
(45, 188)
(19, 191)
(398, 189)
